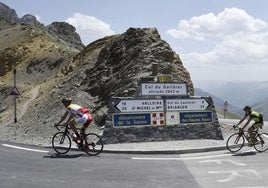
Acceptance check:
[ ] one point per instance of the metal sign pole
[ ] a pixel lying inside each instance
(15, 97)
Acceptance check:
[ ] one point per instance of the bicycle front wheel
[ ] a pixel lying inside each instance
(61, 143)
(262, 144)
(235, 142)
(92, 144)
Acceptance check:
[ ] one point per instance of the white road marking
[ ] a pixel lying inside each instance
(234, 173)
(27, 149)
(237, 163)
(183, 158)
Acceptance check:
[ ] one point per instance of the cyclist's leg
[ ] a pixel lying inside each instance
(81, 122)
(84, 127)
(254, 127)
(73, 124)
(251, 140)
(257, 125)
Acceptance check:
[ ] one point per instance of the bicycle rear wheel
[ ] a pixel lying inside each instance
(92, 144)
(235, 142)
(262, 144)
(61, 143)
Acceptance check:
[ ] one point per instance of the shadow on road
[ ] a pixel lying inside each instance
(65, 156)
(249, 153)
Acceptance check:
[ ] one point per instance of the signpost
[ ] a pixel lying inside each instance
(164, 89)
(15, 92)
(131, 119)
(130, 105)
(196, 117)
(162, 110)
(186, 104)
(160, 104)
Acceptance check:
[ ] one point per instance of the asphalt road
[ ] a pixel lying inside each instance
(29, 167)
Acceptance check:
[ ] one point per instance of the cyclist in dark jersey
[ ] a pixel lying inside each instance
(258, 122)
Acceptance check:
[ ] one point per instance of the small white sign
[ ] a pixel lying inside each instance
(140, 105)
(186, 104)
(172, 118)
(164, 89)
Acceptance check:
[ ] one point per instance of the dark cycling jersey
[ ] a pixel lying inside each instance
(257, 117)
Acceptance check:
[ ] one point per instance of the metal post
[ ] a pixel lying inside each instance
(225, 108)
(15, 97)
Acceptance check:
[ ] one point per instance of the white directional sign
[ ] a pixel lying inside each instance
(150, 105)
(164, 89)
(186, 104)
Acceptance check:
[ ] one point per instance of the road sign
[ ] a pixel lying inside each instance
(135, 105)
(120, 120)
(164, 78)
(186, 104)
(172, 118)
(158, 118)
(196, 117)
(14, 91)
(164, 89)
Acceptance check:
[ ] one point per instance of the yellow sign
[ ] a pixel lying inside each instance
(164, 78)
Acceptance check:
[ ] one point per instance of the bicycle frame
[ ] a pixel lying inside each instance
(67, 132)
(255, 135)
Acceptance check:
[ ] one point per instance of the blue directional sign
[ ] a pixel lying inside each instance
(131, 119)
(196, 117)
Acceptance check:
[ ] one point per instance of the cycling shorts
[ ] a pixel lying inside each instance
(84, 120)
(257, 125)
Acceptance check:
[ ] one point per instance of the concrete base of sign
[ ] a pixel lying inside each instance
(114, 135)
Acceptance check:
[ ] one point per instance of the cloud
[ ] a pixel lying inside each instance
(227, 22)
(89, 28)
(238, 49)
(238, 45)
(38, 18)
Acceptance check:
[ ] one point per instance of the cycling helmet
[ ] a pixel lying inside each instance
(247, 108)
(66, 101)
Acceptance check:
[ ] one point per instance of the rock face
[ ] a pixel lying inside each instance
(11, 16)
(66, 32)
(29, 19)
(124, 60)
(8, 13)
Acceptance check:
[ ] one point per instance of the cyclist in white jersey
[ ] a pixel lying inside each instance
(78, 115)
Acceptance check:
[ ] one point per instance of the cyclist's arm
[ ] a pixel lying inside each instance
(62, 118)
(70, 118)
(241, 120)
(246, 123)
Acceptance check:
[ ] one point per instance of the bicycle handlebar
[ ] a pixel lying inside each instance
(235, 127)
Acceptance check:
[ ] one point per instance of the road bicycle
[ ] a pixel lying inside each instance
(90, 143)
(237, 140)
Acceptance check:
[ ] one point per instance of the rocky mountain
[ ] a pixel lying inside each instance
(8, 13)
(48, 68)
(34, 44)
(11, 15)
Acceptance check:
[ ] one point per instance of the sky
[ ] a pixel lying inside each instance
(220, 40)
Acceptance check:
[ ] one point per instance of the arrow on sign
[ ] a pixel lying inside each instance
(186, 104)
(140, 105)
